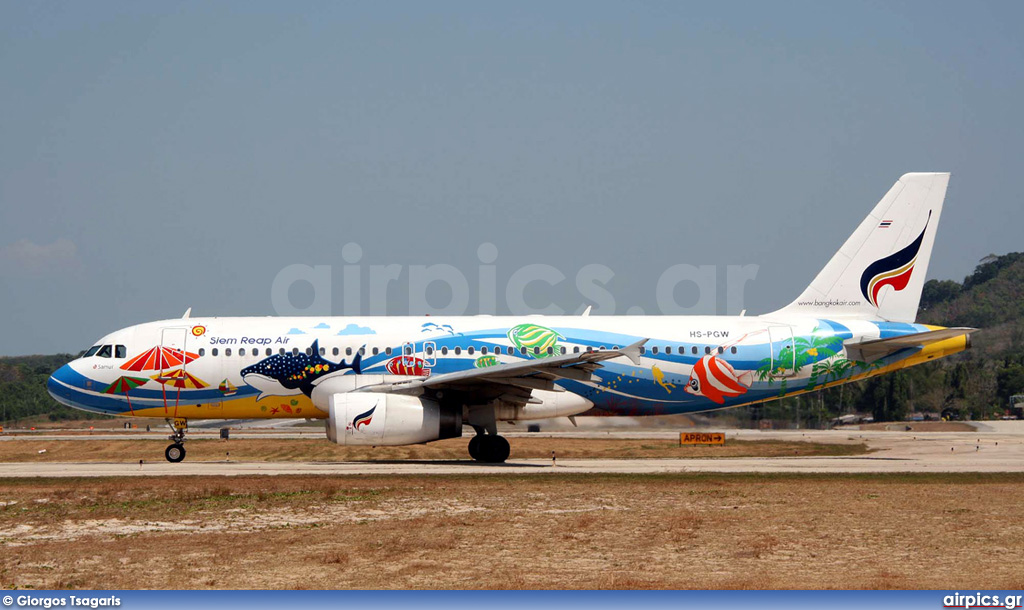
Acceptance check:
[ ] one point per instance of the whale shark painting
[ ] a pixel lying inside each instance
(289, 374)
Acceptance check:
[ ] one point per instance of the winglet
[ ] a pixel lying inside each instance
(633, 351)
(188, 313)
(586, 312)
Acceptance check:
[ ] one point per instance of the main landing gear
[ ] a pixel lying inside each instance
(489, 448)
(175, 452)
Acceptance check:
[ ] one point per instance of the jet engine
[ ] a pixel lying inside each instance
(371, 418)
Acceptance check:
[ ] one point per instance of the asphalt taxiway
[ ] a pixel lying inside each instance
(995, 447)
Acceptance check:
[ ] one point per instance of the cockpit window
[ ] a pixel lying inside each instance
(92, 351)
(120, 351)
(105, 351)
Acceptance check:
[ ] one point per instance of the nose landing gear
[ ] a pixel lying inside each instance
(175, 452)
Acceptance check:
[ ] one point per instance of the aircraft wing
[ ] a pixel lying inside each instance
(515, 381)
(873, 349)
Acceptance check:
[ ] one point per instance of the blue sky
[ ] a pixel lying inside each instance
(159, 156)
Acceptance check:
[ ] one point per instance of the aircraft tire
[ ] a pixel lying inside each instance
(474, 447)
(175, 453)
(495, 449)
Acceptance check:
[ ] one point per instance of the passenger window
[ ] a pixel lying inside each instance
(269, 351)
(551, 350)
(536, 351)
(576, 350)
(643, 350)
(721, 350)
(510, 350)
(732, 349)
(214, 351)
(444, 351)
(654, 350)
(295, 351)
(470, 350)
(668, 349)
(522, 350)
(458, 350)
(694, 349)
(323, 351)
(563, 349)
(335, 351)
(362, 351)
(429, 350)
(387, 351)
(408, 350)
(202, 351)
(120, 351)
(279, 351)
(348, 351)
(104, 352)
(227, 351)
(92, 351)
(589, 349)
(707, 349)
(241, 351)
(375, 351)
(309, 351)
(483, 350)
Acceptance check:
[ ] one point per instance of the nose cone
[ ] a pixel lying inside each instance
(58, 383)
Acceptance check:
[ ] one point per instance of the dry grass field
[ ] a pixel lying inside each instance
(322, 450)
(538, 531)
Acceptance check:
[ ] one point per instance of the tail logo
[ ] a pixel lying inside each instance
(364, 419)
(894, 270)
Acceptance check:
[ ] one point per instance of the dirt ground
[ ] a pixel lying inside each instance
(322, 450)
(539, 531)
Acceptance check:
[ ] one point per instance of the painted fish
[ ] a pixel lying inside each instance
(287, 374)
(399, 365)
(535, 337)
(715, 379)
(485, 361)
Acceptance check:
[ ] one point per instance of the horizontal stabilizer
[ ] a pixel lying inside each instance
(869, 351)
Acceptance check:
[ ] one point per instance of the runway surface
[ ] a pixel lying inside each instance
(993, 448)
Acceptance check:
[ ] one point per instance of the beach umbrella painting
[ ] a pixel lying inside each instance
(123, 385)
(159, 358)
(178, 378)
(181, 379)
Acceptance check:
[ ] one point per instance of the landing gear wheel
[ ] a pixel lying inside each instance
(175, 453)
(490, 448)
(474, 447)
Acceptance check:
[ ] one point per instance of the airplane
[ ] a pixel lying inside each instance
(410, 380)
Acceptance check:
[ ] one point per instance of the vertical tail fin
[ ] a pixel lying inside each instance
(880, 270)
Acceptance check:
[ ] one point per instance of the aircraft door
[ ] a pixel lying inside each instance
(172, 352)
(783, 352)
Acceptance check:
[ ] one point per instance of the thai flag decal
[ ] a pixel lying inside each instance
(363, 419)
(885, 224)
(894, 270)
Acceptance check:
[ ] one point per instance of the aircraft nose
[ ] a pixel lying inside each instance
(53, 384)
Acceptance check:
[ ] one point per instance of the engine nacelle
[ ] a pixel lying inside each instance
(357, 418)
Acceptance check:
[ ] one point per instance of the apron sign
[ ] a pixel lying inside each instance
(701, 438)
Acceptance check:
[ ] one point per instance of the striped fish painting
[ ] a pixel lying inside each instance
(715, 379)
(539, 341)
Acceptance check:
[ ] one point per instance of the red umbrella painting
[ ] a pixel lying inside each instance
(123, 385)
(178, 378)
(159, 358)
